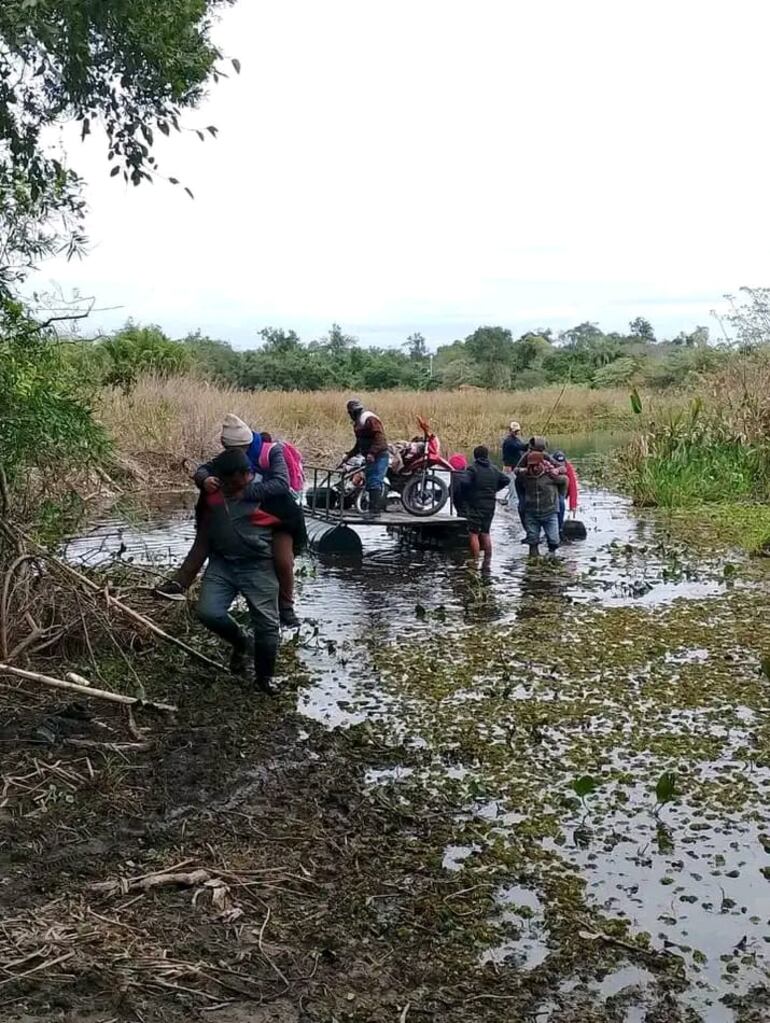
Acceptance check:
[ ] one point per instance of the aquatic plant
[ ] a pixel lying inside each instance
(715, 450)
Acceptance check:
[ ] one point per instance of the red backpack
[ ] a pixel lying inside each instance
(293, 463)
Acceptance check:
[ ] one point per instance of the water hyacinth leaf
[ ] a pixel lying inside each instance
(666, 787)
(419, 611)
(584, 785)
(766, 665)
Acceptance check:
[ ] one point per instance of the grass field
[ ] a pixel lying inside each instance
(180, 417)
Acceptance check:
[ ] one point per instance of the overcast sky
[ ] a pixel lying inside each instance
(434, 165)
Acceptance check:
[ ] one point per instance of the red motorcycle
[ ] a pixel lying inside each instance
(416, 479)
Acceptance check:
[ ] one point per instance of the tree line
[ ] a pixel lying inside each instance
(489, 357)
(132, 73)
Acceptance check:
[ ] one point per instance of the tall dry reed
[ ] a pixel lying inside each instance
(180, 417)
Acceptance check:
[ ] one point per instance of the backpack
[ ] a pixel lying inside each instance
(293, 463)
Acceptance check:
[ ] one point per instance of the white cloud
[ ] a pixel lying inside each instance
(437, 164)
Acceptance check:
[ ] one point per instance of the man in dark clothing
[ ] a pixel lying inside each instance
(240, 545)
(372, 443)
(543, 484)
(514, 448)
(480, 485)
(290, 535)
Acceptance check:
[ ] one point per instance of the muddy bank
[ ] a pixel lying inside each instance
(301, 885)
(455, 811)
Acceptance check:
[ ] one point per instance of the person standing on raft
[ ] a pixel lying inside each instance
(372, 443)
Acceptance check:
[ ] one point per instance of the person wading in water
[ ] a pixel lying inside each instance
(514, 448)
(478, 495)
(543, 485)
(372, 443)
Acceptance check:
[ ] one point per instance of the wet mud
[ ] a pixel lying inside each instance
(538, 795)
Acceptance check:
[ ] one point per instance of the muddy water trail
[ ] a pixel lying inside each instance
(545, 703)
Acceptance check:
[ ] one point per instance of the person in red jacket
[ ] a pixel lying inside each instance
(570, 500)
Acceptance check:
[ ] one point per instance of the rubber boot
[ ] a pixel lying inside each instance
(534, 550)
(242, 651)
(264, 666)
(375, 504)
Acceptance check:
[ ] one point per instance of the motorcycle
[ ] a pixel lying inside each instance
(413, 478)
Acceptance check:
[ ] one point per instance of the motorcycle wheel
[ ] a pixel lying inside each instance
(425, 495)
(362, 501)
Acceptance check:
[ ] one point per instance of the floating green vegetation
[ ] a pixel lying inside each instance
(616, 763)
(736, 525)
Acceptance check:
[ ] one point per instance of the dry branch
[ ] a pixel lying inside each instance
(98, 694)
(144, 884)
(129, 611)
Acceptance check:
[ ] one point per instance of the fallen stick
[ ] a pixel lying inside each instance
(73, 687)
(144, 884)
(111, 747)
(142, 619)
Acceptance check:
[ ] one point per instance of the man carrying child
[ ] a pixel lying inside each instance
(273, 491)
(240, 562)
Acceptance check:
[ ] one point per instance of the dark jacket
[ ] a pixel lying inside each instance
(274, 481)
(237, 528)
(370, 436)
(480, 485)
(513, 449)
(541, 493)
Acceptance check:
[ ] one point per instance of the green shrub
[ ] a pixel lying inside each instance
(696, 457)
(46, 422)
(134, 351)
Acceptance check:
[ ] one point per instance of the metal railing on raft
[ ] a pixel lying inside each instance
(325, 497)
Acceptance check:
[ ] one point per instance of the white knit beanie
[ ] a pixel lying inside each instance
(235, 432)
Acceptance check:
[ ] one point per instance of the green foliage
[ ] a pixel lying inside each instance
(707, 454)
(135, 350)
(416, 346)
(487, 358)
(584, 786)
(617, 373)
(215, 360)
(749, 317)
(665, 789)
(131, 68)
(45, 416)
(283, 362)
(642, 328)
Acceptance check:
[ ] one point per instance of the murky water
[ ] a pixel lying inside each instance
(395, 591)
(686, 876)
